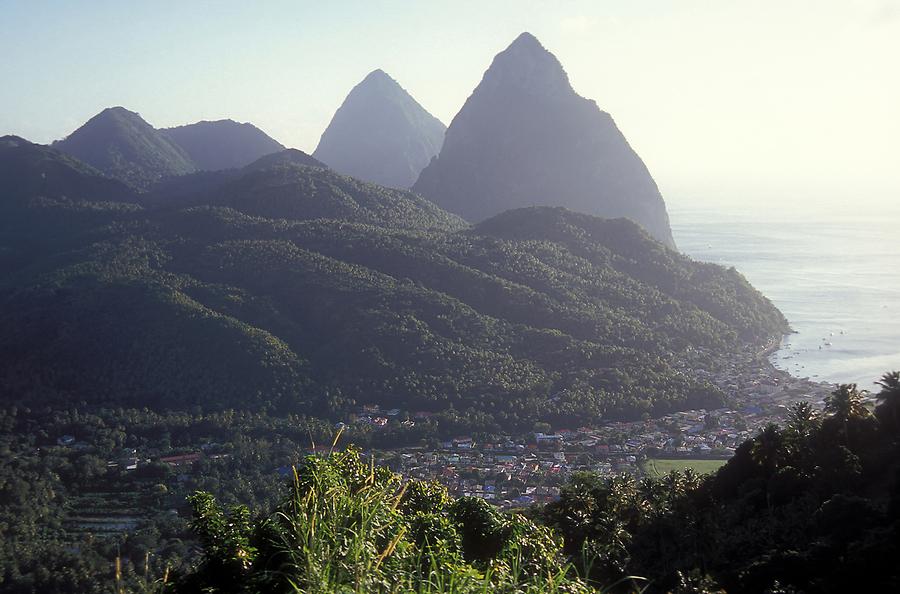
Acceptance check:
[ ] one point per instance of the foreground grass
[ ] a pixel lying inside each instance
(659, 467)
(347, 526)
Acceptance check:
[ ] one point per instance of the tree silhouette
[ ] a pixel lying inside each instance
(802, 419)
(888, 410)
(803, 422)
(846, 403)
(768, 449)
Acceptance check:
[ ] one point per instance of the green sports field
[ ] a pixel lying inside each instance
(657, 467)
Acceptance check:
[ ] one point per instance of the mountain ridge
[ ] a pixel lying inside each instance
(121, 144)
(124, 146)
(222, 144)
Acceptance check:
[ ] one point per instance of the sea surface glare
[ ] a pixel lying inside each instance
(833, 272)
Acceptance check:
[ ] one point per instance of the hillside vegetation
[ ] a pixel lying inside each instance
(346, 526)
(348, 293)
(31, 173)
(282, 186)
(811, 507)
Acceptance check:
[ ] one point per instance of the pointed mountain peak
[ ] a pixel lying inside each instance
(380, 134)
(378, 75)
(118, 113)
(118, 109)
(379, 82)
(527, 41)
(112, 120)
(526, 65)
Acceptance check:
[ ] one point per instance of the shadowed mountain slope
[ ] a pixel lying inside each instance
(223, 144)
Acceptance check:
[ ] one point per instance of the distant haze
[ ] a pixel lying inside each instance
(792, 99)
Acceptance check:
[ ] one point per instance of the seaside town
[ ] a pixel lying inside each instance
(520, 470)
(511, 472)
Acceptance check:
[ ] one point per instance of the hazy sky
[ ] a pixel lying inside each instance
(721, 98)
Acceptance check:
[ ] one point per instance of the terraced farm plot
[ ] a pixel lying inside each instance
(104, 514)
(657, 467)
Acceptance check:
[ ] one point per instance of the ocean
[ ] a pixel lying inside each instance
(833, 271)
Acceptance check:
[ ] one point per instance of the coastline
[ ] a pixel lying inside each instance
(772, 346)
(833, 278)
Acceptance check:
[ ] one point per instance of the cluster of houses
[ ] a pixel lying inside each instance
(525, 469)
(374, 415)
(514, 471)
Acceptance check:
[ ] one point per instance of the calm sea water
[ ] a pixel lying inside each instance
(833, 271)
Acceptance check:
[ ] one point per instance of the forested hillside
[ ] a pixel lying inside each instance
(348, 293)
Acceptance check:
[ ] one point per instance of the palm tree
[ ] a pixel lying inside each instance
(888, 398)
(768, 451)
(652, 496)
(802, 419)
(846, 403)
(768, 448)
(674, 486)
